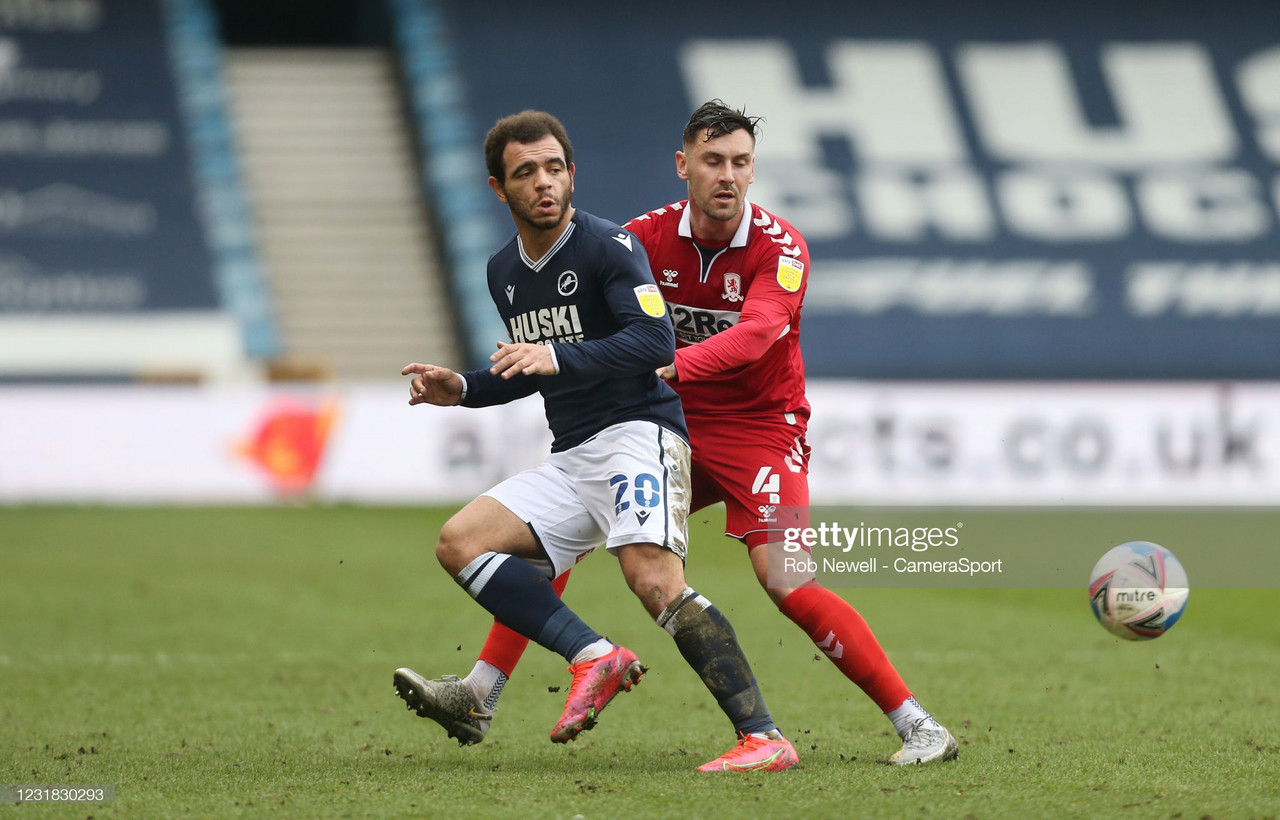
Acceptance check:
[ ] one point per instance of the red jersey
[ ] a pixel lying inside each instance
(736, 311)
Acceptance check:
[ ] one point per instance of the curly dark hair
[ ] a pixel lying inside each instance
(715, 119)
(525, 127)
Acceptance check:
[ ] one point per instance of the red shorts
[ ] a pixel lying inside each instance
(759, 468)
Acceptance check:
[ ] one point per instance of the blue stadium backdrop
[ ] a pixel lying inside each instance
(989, 190)
(120, 191)
(97, 207)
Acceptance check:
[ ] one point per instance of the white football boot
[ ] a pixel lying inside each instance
(926, 741)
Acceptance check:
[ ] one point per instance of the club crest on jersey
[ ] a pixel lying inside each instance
(567, 283)
(732, 288)
(650, 300)
(790, 273)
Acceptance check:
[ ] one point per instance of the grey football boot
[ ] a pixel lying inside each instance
(446, 701)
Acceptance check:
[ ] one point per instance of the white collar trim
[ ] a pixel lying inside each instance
(538, 265)
(739, 239)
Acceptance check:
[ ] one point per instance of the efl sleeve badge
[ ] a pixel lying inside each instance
(790, 273)
(650, 299)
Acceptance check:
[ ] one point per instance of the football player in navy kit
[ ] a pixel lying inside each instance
(588, 330)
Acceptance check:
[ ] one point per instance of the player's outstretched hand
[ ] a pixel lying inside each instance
(433, 385)
(522, 359)
(668, 373)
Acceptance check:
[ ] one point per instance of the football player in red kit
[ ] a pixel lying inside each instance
(734, 278)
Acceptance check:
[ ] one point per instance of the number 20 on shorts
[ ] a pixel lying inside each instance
(645, 491)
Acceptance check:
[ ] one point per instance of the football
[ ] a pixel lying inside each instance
(1138, 590)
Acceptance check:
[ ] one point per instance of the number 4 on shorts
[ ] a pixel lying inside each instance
(767, 481)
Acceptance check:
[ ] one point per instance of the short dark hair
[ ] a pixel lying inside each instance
(715, 119)
(526, 127)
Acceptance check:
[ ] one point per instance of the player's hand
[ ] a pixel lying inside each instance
(522, 359)
(433, 385)
(668, 372)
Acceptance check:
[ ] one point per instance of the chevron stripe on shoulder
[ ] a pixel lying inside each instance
(772, 227)
(674, 207)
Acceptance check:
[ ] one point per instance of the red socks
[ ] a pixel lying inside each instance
(844, 636)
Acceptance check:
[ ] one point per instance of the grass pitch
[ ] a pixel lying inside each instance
(237, 663)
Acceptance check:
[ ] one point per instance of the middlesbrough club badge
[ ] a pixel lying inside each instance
(732, 288)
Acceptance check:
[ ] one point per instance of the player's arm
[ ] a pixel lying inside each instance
(646, 340)
(772, 303)
(486, 388)
(443, 387)
(764, 320)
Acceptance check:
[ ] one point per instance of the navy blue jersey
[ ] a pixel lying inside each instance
(593, 298)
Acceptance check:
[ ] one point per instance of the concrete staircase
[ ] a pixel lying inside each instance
(344, 236)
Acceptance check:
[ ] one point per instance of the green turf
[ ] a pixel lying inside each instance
(223, 663)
